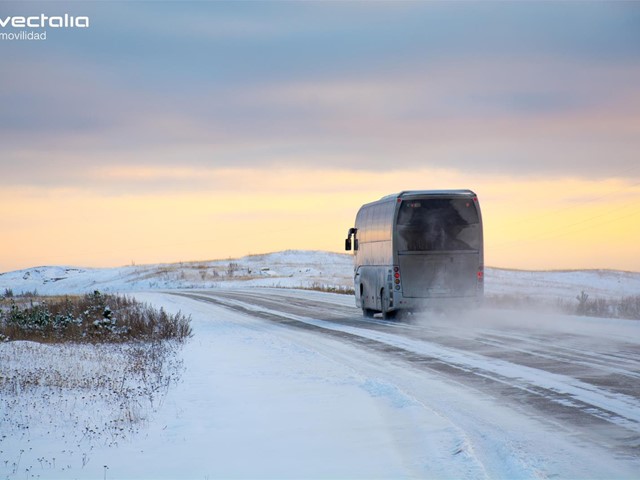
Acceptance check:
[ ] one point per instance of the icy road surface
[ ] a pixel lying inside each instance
(491, 394)
(283, 383)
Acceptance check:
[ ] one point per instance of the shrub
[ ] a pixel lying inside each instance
(93, 317)
(629, 307)
(232, 268)
(625, 307)
(318, 287)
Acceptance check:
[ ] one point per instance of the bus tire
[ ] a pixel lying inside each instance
(367, 312)
(390, 314)
(384, 303)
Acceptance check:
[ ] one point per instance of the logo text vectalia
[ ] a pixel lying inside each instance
(44, 21)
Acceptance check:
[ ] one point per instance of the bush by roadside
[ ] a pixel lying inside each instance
(95, 367)
(624, 307)
(92, 318)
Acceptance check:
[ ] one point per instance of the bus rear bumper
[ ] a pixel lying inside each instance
(437, 303)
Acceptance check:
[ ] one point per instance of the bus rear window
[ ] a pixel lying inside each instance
(438, 224)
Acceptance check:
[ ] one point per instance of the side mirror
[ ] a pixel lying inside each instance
(347, 242)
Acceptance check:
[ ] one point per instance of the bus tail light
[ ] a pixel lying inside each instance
(480, 273)
(396, 277)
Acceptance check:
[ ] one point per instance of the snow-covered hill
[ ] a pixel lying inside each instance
(297, 268)
(282, 269)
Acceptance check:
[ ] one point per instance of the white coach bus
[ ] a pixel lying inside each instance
(416, 250)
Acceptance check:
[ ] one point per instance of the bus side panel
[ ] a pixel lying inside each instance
(373, 261)
(371, 280)
(374, 224)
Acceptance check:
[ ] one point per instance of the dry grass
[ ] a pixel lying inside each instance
(319, 287)
(624, 307)
(89, 370)
(92, 318)
(81, 395)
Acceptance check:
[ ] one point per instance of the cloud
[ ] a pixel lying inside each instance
(523, 118)
(469, 87)
(185, 126)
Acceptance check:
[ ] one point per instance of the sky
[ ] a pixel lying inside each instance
(176, 131)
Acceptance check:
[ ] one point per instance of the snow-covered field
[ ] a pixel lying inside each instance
(281, 383)
(282, 269)
(297, 269)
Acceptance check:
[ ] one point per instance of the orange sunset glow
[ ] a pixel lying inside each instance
(546, 224)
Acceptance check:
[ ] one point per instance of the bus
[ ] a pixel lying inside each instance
(418, 250)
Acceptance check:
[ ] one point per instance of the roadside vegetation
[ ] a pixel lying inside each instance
(627, 307)
(320, 287)
(102, 363)
(91, 318)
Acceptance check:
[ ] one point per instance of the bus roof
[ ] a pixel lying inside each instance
(435, 193)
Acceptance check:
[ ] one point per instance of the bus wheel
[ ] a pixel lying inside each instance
(390, 314)
(366, 312)
(384, 303)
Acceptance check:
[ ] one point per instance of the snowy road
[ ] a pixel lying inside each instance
(522, 394)
(282, 383)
